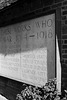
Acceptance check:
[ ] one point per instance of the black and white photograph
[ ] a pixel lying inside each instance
(33, 49)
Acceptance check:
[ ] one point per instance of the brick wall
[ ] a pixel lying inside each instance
(64, 43)
(30, 9)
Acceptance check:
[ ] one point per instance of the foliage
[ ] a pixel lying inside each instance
(46, 92)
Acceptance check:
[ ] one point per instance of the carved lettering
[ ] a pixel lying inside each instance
(44, 24)
(37, 24)
(28, 27)
(49, 22)
(50, 34)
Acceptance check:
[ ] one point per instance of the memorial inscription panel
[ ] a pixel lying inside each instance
(27, 50)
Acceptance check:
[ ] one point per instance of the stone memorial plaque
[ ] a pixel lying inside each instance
(27, 50)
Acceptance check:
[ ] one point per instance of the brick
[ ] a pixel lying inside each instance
(63, 61)
(26, 8)
(64, 36)
(36, 4)
(64, 7)
(65, 41)
(38, 11)
(64, 65)
(46, 8)
(63, 51)
(64, 75)
(64, 12)
(56, 1)
(65, 21)
(64, 81)
(64, 56)
(64, 70)
(64, 46)
(64, 29)
(62, 22)
(47, 2)
(63, 87)
(65, 3)
(63, 17)
(57, 5)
